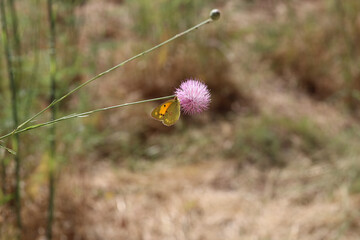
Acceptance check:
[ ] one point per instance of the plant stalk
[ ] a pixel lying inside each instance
(52, 133)
(14, 105)
(85, 114)
(17, 42)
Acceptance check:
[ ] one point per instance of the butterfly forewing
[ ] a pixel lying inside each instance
(159, 112)
(168, 112)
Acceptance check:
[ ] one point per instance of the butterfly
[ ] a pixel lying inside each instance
(168, 112)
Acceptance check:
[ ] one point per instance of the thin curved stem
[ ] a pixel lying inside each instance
(85, 114)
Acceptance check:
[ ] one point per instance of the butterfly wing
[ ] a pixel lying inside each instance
(172, 113)
(159, 112)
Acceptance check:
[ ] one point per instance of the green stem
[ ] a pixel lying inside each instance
(84, 114)
(3, 176)
(106, 72)
(5, 39)
(17, 43)
(53, 116)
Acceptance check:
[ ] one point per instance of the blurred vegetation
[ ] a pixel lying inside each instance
(317, 49)
(266, 141)
(276, 141)
(309, 46)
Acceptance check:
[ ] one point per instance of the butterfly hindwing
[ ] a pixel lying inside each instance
(172, 114)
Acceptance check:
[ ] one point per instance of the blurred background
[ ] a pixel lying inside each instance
(275, 157)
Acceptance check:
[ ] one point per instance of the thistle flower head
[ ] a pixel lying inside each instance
(194, 96)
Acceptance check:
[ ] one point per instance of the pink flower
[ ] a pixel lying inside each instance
(194, 96)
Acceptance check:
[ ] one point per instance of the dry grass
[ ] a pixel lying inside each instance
(208, 200)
